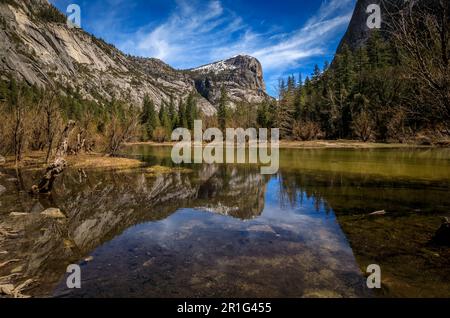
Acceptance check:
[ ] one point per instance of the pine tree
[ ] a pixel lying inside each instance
(173, 115)
(285, 115)
(165, 119)
(361, 65)
(281, 89)
(222, 109)
(183, 120)
(149, 118)
(377, 51)
(344, 70)
(316, 72)
(191, 110)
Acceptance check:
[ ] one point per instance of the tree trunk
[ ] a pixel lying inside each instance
(57, 167)
(63, 144)
(81, 141)
(53, 170)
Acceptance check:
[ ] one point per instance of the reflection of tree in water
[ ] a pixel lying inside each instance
(294, 191)
(356, 194)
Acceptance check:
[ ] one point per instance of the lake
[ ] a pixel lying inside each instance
(228, 231)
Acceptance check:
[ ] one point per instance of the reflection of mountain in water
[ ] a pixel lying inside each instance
(103, 205)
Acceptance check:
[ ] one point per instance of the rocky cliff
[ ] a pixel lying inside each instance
(358, 32)
(37, 46)
(242, 76)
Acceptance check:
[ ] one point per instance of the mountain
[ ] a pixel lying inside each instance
(37, 46)
(242, 75)
(358, 33)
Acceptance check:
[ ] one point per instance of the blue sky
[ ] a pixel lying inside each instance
(288, 36)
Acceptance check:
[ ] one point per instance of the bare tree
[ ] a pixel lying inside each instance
(51, 113)
(122, 128)
(363, 126)
(20, 115)
(421, 30)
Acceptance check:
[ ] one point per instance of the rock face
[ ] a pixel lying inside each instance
(358, 32)
(41, 49)
(241, 75)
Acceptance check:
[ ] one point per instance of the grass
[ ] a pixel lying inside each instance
(97, 161)
(36, 160)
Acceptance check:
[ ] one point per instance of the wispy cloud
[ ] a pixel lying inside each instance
(197, 32)
(189, 35)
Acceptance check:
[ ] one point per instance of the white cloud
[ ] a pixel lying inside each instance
(189, 35)
(196, 34)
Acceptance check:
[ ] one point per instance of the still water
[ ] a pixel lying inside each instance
(228, 231)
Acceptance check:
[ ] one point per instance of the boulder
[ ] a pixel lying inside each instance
(2, 189)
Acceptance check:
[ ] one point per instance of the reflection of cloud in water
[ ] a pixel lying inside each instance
(193, 252)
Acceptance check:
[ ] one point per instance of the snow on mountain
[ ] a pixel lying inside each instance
(215, 68)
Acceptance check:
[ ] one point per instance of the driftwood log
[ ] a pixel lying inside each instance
(45, 186)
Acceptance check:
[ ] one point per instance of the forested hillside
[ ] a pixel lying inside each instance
(394, 86)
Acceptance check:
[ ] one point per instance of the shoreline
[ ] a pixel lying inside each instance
(316, 144)
(35, 159)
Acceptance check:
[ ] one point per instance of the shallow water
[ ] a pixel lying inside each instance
(228, 231)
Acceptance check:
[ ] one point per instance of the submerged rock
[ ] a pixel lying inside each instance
(53, 213)
(382, 212)
(89, 259)
(2, 189)
(442, 236)
(2, 160)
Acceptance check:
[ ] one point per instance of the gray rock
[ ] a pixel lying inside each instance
(358, 32)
